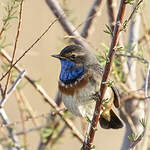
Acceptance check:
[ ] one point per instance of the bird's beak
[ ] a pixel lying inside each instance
(56, 56)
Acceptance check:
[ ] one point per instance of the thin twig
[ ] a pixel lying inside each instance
(147, 79)
(147, 128)
(112, 7)
(45, 115)
(5, 136)
(133, 11)
(43, 145)
(59, 135)
(134, 107)
(35, 42)
(15, 47)
(126, 117)
(12, 88)
(133, 56)
(20, 133)
(133, 46)
(67, 26)
(80, 37)
(6, 21)
(54, 124)
(42, 92)
(22, 116)
(90, 137)
(111, 4)
(28, 107)
(137, 141)
(134, 96)
(91, 15)
(144, 27)
(120, 83)
(10, 130)
(143, 37)
(54, 105)
(26, 119)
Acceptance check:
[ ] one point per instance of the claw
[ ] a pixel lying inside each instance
(95, 96)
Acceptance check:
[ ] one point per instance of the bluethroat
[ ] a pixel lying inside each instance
(78, 85)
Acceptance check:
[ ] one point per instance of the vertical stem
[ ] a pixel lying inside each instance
(134, 107)
(88, 142)
(15, 47)
(90, 17)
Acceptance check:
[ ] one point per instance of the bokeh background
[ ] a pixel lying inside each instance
(41, 66)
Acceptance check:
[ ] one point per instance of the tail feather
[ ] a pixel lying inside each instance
(114, 123)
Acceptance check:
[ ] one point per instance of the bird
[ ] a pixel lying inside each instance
(79, 85)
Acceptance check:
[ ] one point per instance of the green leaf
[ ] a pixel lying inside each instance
(105, 46)
(133, 137)
(104, 101)
(88, 119)
(143, 122)
(108, 30)
(109, 83)
(18, 0)
(130, 2)
(93, 147)
(124, 25)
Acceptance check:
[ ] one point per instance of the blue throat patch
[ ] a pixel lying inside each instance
(69, 73)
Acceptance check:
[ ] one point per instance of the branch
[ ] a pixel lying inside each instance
(143, 37)
(134, 10)
(51, 102)
(134, 107)
(111, 5)
(88, 142)
(137, 141)
(19, 133)
(61, 132)
(15, 47)
(6, 20)
(43, 145)
(54, 124)
(61, 114)
(133, 38)
(67, 26)
(133, 56)
(147, 103)
(22, 116)
(28, 107)
(91, 15)
(145, 132)
(11, 90)
(37, 40)
(42, 115)
(10, 130)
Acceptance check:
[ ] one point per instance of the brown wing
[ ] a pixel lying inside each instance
(114, 123)
(96, 70)
(116, 97)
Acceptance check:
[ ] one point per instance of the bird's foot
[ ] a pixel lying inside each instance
(95, 96)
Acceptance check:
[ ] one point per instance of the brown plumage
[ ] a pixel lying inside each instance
(71, 89)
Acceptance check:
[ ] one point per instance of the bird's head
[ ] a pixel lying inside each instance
(74, 61)
(73, 54)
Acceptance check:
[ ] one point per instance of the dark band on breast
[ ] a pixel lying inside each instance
(72, 88)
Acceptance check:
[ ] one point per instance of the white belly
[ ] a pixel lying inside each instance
(81, 104)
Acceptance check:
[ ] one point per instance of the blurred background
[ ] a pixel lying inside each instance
(40, 66)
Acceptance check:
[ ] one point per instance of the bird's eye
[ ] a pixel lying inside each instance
(73, 56)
